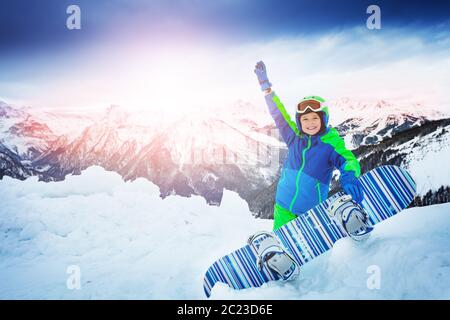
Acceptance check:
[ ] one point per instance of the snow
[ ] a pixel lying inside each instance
(206, 138)
(378, 119)
(410, 251)
(372, 109)
(70, 123)
(432, 170)
(129, 243)
(429, 163)
(18, 144)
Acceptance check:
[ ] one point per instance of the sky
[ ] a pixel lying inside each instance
(182, 54)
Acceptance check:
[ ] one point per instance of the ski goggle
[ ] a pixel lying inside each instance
(311, 104)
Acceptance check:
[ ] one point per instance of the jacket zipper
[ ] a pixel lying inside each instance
(299, 173)
(318, 191)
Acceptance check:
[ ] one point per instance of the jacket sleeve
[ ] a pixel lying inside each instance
(341, 157)
(288, 128)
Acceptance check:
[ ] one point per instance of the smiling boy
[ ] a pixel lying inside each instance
(314, 151)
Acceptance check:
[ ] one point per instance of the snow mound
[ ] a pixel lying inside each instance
(128, 243)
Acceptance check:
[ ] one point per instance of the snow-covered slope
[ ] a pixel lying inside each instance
(369, 122)
(424, 152)
(430, 163)
(129, 243)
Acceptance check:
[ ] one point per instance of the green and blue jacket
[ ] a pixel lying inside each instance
(307, 171)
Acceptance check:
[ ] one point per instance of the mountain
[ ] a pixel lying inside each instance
(7, 112)
(195, 154)
(424, 151)
(11, 165)
(204, 153)
(364, 123)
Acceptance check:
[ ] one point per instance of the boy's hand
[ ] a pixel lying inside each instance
(353, 188)
(261, 73)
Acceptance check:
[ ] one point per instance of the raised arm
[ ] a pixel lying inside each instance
(288, 128)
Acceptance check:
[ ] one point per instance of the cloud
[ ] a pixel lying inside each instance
(397, 65)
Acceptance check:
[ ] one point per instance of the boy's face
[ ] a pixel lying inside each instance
(310, 123)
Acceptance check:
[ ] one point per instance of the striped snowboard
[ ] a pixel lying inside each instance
(387, 191)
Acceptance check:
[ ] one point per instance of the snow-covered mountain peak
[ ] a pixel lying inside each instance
(368, 122)
(116, 115)
(346, 107)
(246, 107)
(248, 115)
(30, 128)
(7, 111)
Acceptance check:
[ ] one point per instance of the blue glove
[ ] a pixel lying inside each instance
(261, 73)
(353, 187)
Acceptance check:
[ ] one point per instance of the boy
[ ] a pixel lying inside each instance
(314, 150)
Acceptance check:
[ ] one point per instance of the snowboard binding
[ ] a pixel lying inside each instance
(352, 217)
(271, 254)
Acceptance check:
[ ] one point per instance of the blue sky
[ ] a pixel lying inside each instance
(39, 57)
(40, 24)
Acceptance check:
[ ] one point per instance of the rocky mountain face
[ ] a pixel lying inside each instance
(203, 154)
(370, 123)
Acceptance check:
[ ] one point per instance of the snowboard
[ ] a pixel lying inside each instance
(387, 191)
